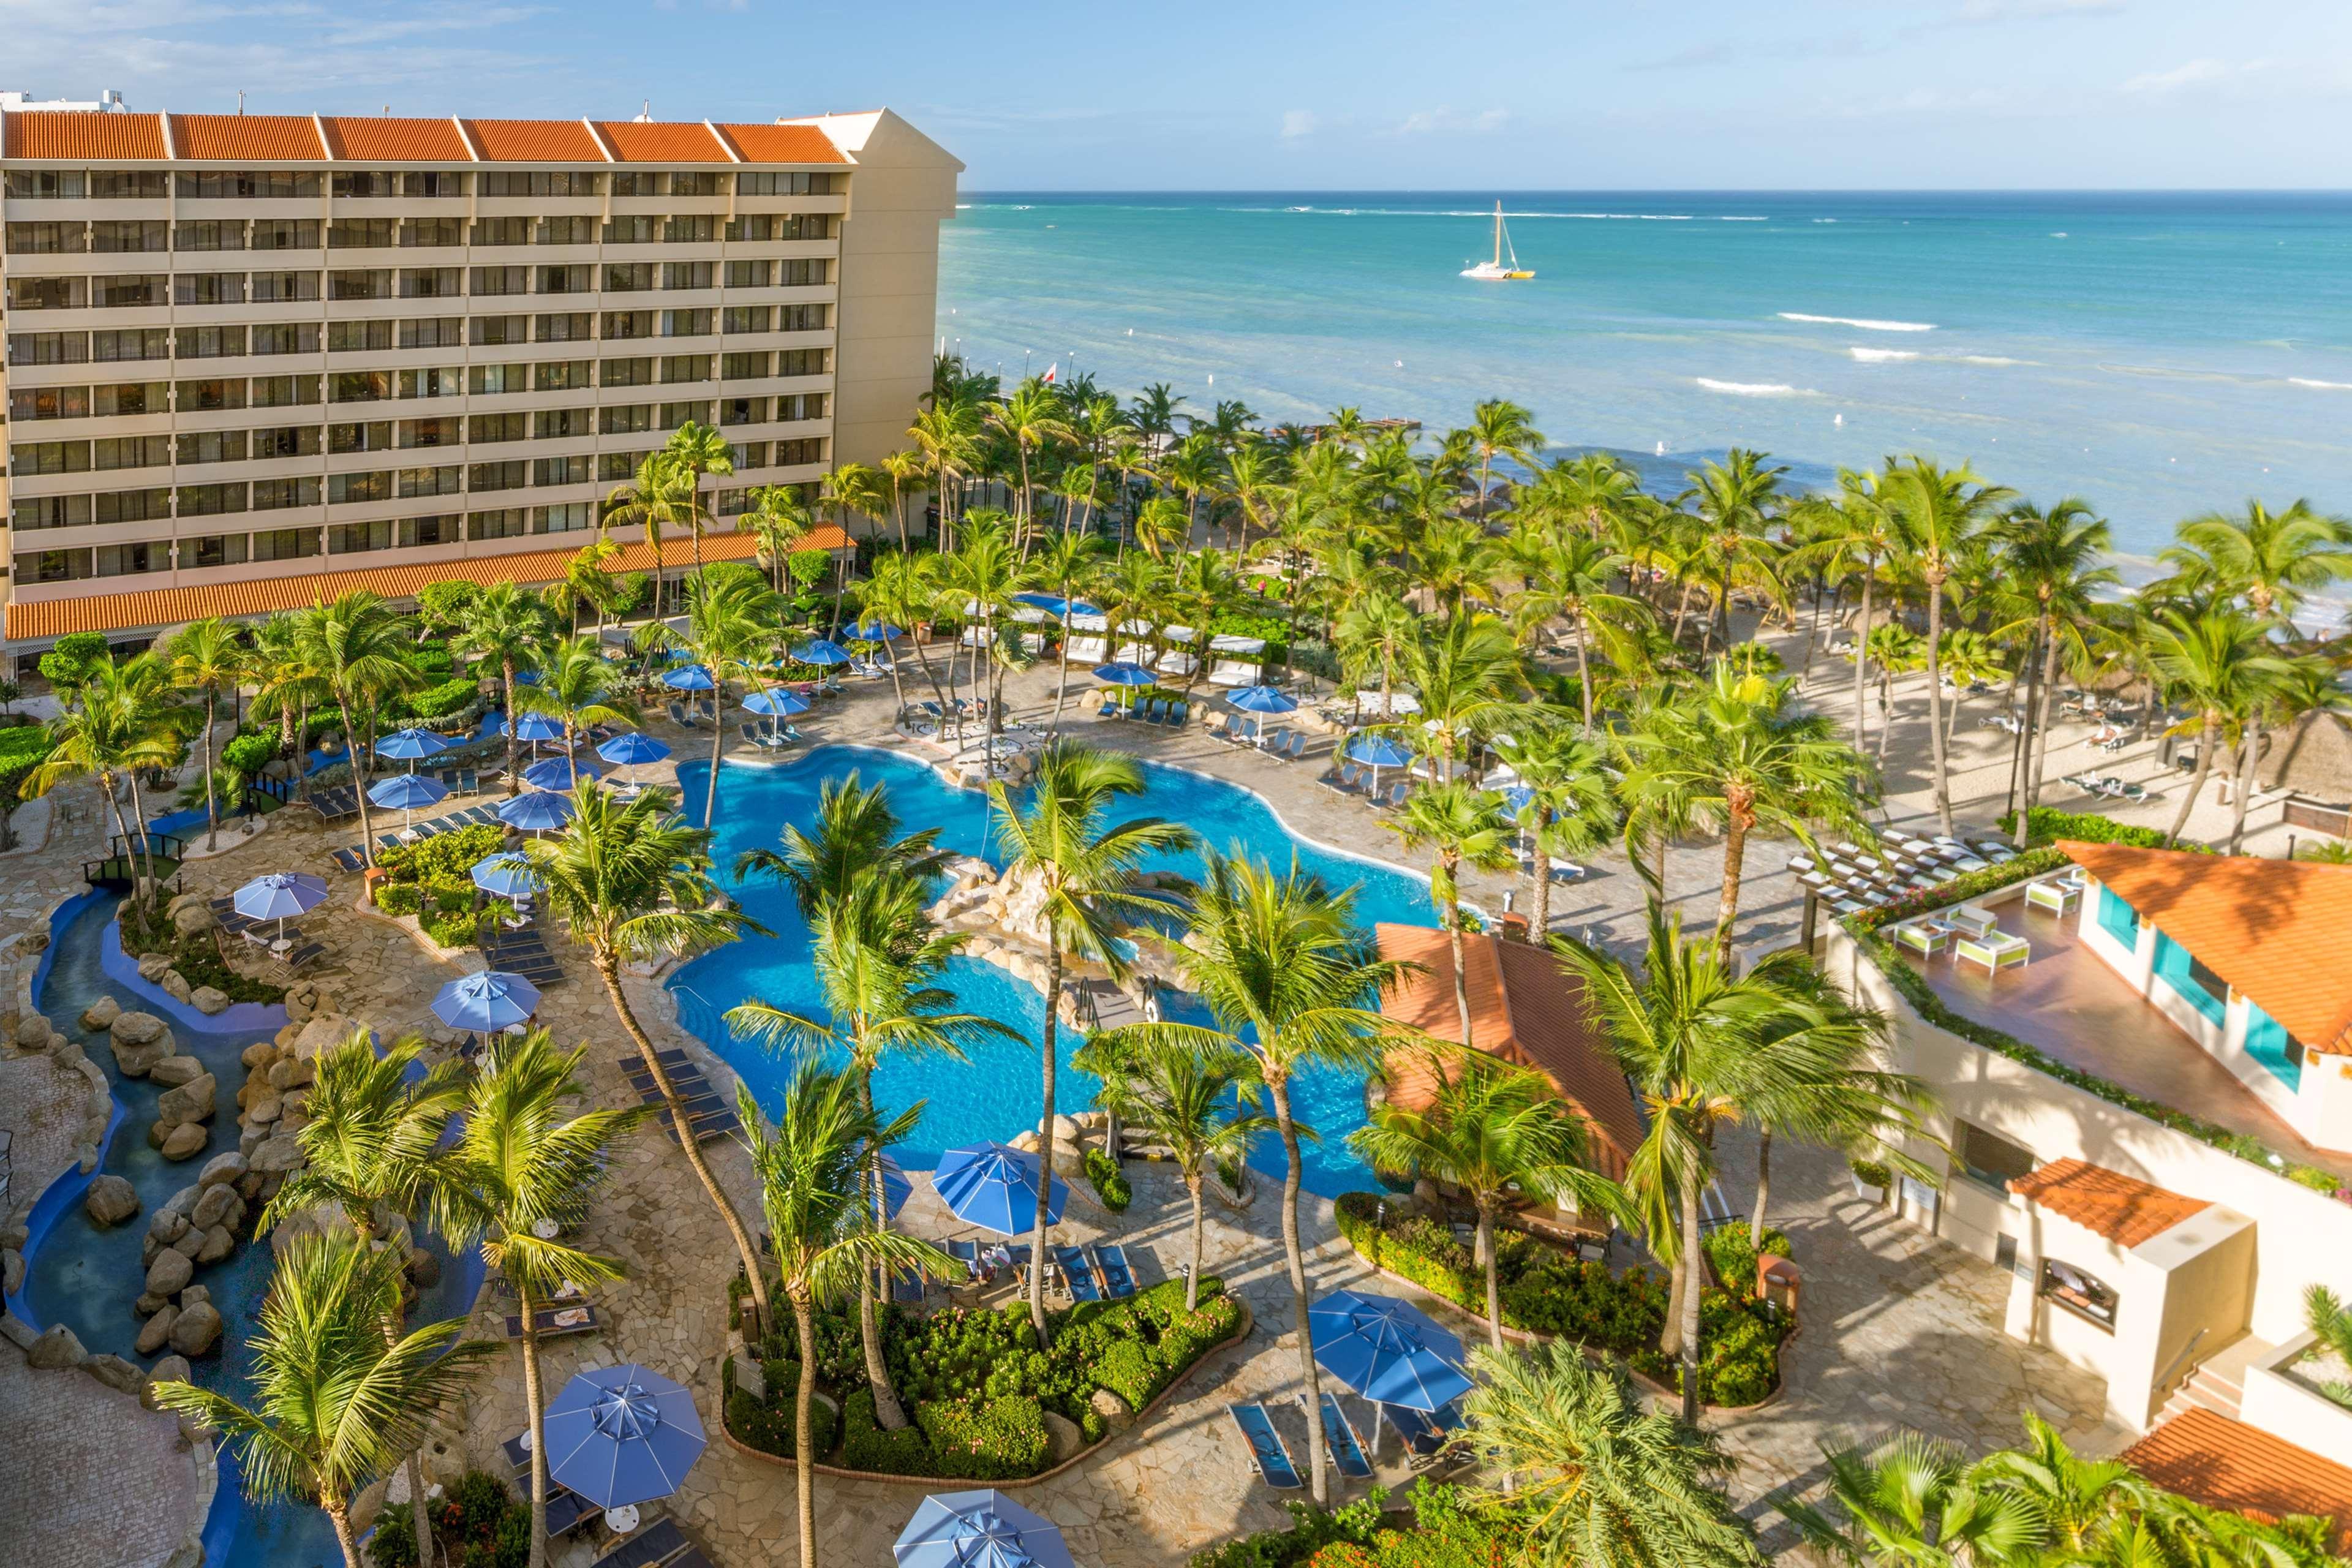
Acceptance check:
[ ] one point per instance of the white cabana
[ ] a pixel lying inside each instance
(1399, 703)
(1136, 653)
(1177, 662)
(1234, 672)
(1089, 623)
(1088, 650)
(1234, 644)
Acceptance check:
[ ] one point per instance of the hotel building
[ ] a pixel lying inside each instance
(255, 360)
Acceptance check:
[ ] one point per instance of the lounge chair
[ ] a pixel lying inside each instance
(1245, 732)
(966, 1252)
(1345, 779)
(657, 1543)
(1110, 1266)
(302, 957)
(581, 1318)
(1179, 713)
(567, 1510)
(2056, 895)
(1340, 1439)
(1394, 796)
(1295, 746)
(712, 1124)
(1149, 710)
(1974, 919)
(1078, 1274)
(680, 717)
(1996, 950)
(1423, 1431)
(1268, 1454)
(1926, 938)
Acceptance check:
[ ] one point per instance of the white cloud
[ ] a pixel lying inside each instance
(1977, 11)
(1445, 122)
(2194, 74)
(1296, 122)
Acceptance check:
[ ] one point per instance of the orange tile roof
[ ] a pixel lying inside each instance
(781, 144)
(71, 134)
(247, 138)
(534, 141)
(173, 607)
(2273, 929)
(363, 139)
(2124, 1209)
(2209, 1459)
(674, 142)
(1524, 1008)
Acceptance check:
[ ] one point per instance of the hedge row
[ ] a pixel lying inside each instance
(2045, 823)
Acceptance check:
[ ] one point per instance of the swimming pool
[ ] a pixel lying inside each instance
(995, 1094)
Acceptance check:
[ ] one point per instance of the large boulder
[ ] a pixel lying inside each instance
(141, 1037)
(175, 985)
(277, 1155)
(257, 1055)
(219, 1242)
(185, 1142)
(1118, 1416)
(197, 1329)
(1065, 1436)
(170, 1369)
(294, 1073)
(192, 916)
(166, 1226)
(222, 1169)
(191, 1101)
(324, 1032)
(208, 1000)
(111, 1200)
(154, 966)
(54, 1350)
(115, 1372)
(173, 1071)
(216, 1204)
(170, 1273)
(157, 1331)
(99, 1016)
(264, 1110)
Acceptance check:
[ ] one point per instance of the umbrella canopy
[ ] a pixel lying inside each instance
(486, 1001)
(632, 747)
(896, 1189)
(1263, 699)
(410, 745)
(406, 792)
(506, 875)
(1387, 1350)
(995, 1185)
(822, 651)
(776, 704)
(539, 727)
(1518, 798)
(689, 678)
(556, 773)
(281, 895)
(537, 809)
(1124, 674)
(980, 1530)
(622, 1435)
(1378, 750)
(1394, 705)
(875, 631)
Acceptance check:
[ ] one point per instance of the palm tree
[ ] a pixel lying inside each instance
(334, 1406)
(730, 622)
(118, 727)
(1063, 566)
(1466, 669)
(630, 880)
(522, 1163)
(1501, 428)
(2218, 664)
(980, 576)
(287, 688)
(1937, 511)
(1460, 825)
(2079, 1500)
(823, 1225)
(508, 629)
(2274, 559)
(372, 1150)
(1734, 502)
(1497, 1134)
(2053, 567)
(1599, 1476)
(1916, 1501)
(947, 434)
(359, 648)
(1742, 757)
(779, 520)
(1571, 573)
(2330, 1322)
(1856, 533)
(698, 450)
(208, 658)
(1570, 807)
(1029, 417)
(1090, 880)
(660, 496)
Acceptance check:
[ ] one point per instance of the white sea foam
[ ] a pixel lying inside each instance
(1755, 388)
(1989, 359)
(1873, 356)
(1864, 323)
(2319, 385)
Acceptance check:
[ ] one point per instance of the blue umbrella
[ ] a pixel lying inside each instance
(1518, 798)
(556, 773)
(776, 704)
(406, 792)
(1380, 752)
(487, 1001)
(536, 810)
(411, 744)
(506, 875)
(539, 727)
(1124, 674)
(1388, 1351)
(822, 651)
(689, 678)
(1055, 603)
(621, 1435)
(994, 1185)
(980, 1530)
(631, 747)
(875, 631)
(896, 1189)
(1263, 699)
(281, 895)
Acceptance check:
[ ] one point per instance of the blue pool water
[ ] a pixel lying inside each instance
(995, 1094)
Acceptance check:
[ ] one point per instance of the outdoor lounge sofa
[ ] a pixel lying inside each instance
(1996, 950)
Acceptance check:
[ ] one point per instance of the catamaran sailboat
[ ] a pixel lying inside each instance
(1494, 270)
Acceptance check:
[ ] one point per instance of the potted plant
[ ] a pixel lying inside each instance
(1870, 1179)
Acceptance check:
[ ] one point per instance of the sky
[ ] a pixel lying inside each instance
(1318, 94)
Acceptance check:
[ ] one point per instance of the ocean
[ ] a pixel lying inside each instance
(2158, 354)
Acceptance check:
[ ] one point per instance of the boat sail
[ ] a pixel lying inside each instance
(1492, 269)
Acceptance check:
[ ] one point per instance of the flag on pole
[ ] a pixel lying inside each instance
(1050, 372)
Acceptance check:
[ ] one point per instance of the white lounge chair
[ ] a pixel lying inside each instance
(1975, 920)
(2055, 895)
(1995, 952)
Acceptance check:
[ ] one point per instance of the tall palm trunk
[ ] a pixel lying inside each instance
(1539, 895)
(1692, 1279)
(1763, 1184)
(1583, 671)
(1737, 821)
(1048, 1067)
(339, 1511)
(1062, 671)
(514, 757)
(535, 1403)
(211, 800)
(1486, 1251)
(2208, 738)
(805, 1430)
(1278, 1089)
(889, 1414)
(1193, 1275)
(1936, 696)
(2247, 751)
(2041, 753)
(1461, 959)
(718, 739)
(608, 969)
(1861, 662)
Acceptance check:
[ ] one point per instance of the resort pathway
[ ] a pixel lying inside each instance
(96, 1481)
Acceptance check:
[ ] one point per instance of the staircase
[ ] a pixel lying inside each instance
(2218, 1383)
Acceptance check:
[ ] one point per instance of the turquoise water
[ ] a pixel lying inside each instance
(2160, 353)
(995, 1094)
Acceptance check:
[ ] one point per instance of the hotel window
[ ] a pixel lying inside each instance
(637, 183)
(627, 419)
(1987, 1160)
(561, 375)
(358, 337)
(493, 380)
(52, 511)
(686, 274)
(211, 342)
(433, 182)
(371, 284)
(503, 183)
(132, 343)
(753, 227)
(628, 372)
(434, 332)
(572, 470)
(286, 234)
(284, 288)
(442, 528)
(2118, 919)
(49, 402)
(803, 318)
(695, 183)
(751, 274)
(358, 538)
(55, 565)
(213, 550)
(624, 324)
(138, 292)
(131, 399)
(570, 518)
(277, 184)
(346, 489)
(48, 239)
(686, 323)
(689, 228)
(612, 467)
(280, 495)
(485, 476)
(209, 235)
(571, 327)
(494, 281)
(562, 423)
(48, 348)
(746, 318)
(431, 282)
(447, 382)
(133, 452)
(627, 276)
(498, 331)
(2079, 1291)
(575, 280)
(743, 411)
(443, 431)
(806, 225)
(732, 503)
(119, 237)
(129, 184)
(284, 390)
(209, 288)
(49, 294)
(286, 544)
(674, 414)
(201, 447)
(364, 183)
(212, 501)
(676, 368)
(282, 441)
(47, 185)
(744, 368)
(512, 523)
(372, 437)
(792, 454)
(804, 273)
(130, 560)
(2190, 980)
(131, 506)
(502, 231)
(803, 405)
(566, 231)
(627, 230)
(782, 185)
(287, 337)
(415, 482)
(482, 429)
(363, 234)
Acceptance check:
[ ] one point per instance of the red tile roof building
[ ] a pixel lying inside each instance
(2124, 1209)
(2209, 1459)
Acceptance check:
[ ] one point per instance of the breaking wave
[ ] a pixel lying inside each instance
(1754, 388)
(1862, 323)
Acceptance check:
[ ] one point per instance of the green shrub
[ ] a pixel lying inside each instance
(25, 743)
(1111, 1183)
(1733, 1253)
(399, 898)
(1961, 888)
(2045, 824)
(445, 700)
(769, 1425)
(446, 859)
(1871, 1173)
(455, 931)
(1001, 1439)
(1312, 1530)
(866, 1447)
(446, 604)
(1126, 1370)
(392, 1543)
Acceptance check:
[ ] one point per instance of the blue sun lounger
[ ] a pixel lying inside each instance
(1077, 1273)
(1110, 1266)
(1267, 1452)
(1339, 1438)
(1423, 1431)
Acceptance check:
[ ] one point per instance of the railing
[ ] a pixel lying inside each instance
(277, 789)
(2164, 1380)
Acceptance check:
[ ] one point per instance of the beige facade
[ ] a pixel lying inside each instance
(253, 350)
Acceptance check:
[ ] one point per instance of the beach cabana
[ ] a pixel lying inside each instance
(1236, 660)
